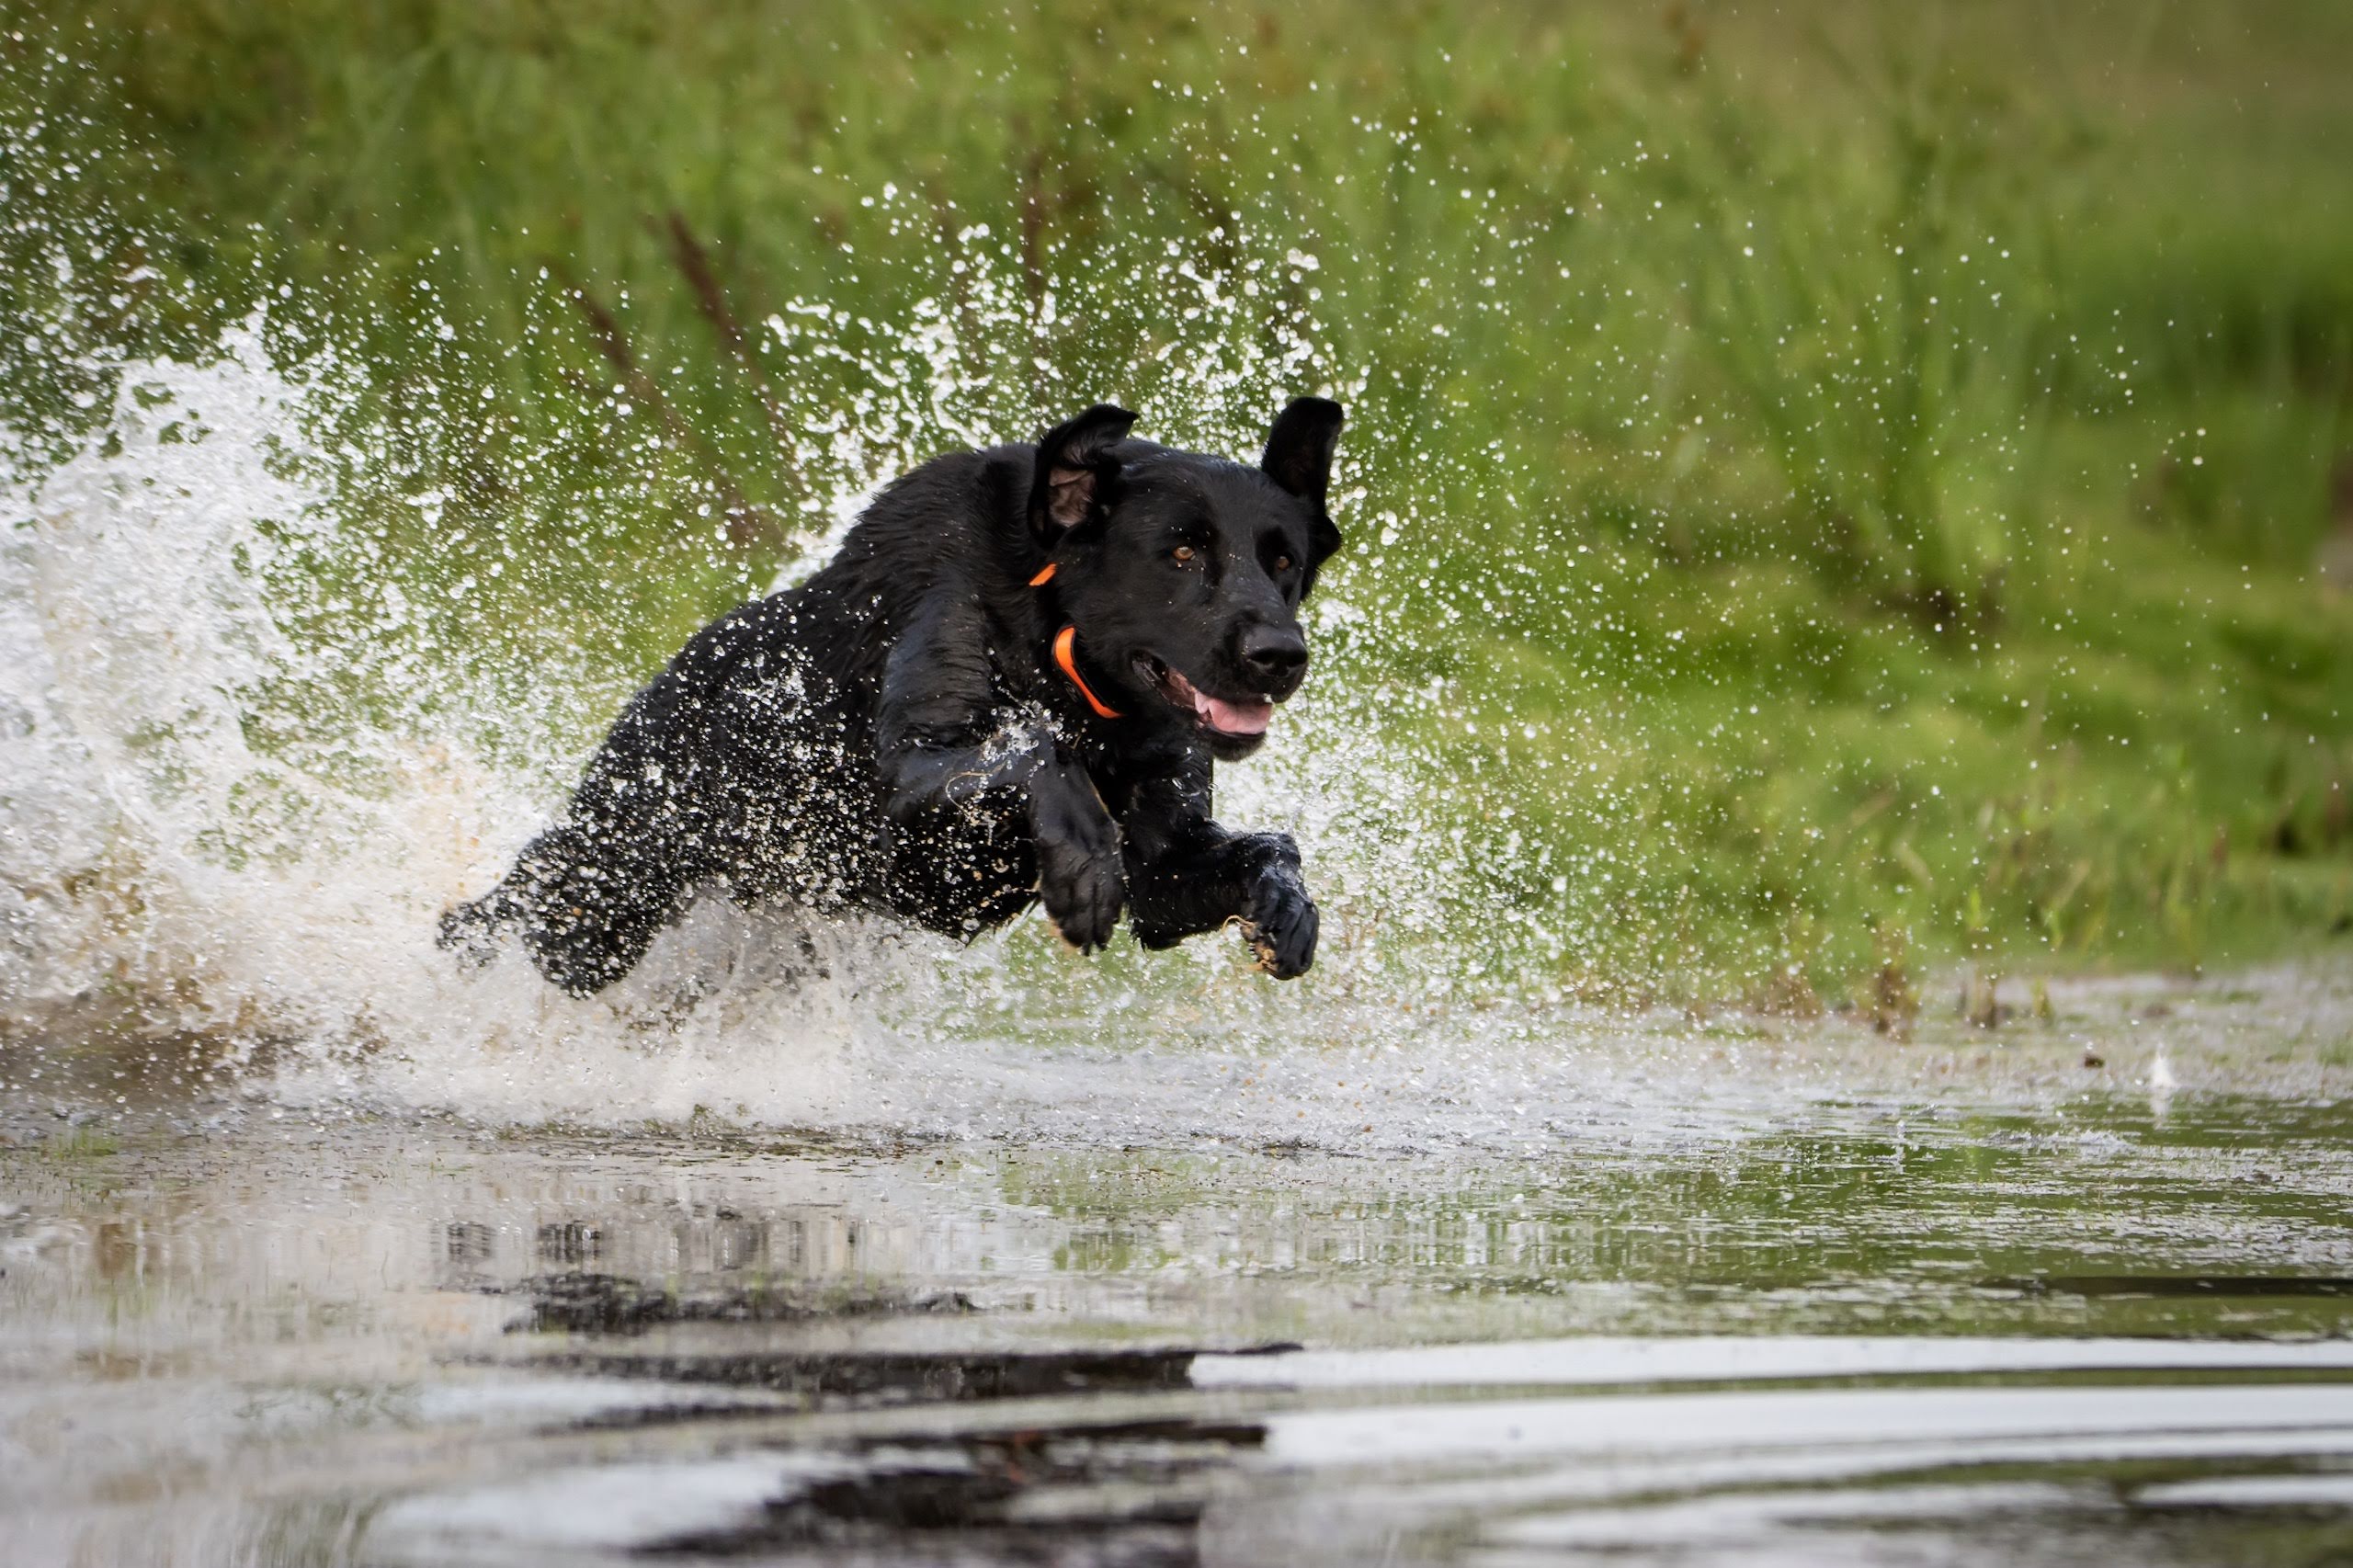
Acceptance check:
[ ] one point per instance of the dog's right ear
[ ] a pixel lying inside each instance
(1075, 473)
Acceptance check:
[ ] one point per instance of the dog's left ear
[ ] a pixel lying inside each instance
(1299, 457)
(1075, 473)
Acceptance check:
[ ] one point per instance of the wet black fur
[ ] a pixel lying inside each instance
(894, 733)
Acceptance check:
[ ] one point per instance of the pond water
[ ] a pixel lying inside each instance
(1651, 1289)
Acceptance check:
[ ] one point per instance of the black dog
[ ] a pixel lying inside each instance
(1010, 685)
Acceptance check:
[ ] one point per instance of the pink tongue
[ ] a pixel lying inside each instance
(1234, 718)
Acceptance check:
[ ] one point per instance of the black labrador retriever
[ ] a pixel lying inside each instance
(1012, 684)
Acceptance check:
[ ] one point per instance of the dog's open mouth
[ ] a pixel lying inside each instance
(1248, 718)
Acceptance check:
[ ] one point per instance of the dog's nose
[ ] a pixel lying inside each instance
(1274, 660)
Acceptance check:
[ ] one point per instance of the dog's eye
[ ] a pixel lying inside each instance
(1282, 563)
(1181, 554)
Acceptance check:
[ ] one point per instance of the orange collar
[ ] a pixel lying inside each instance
(1065, 645)
(1065, 642)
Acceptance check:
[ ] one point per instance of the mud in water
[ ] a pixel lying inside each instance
(1724, 1292)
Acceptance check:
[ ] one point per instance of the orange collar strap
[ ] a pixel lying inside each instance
(1065, 641)
(1066, 653)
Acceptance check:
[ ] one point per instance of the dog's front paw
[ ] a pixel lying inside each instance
(1281, 921)
(1079, 875)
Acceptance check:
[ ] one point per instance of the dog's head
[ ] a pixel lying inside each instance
(1184, 572)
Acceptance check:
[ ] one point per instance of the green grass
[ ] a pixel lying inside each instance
(1853, 484)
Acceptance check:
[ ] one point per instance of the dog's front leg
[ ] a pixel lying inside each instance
(1080, 879)
(943, 753)
(1187, 875)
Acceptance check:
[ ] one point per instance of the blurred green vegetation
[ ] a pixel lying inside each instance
(1831, 488)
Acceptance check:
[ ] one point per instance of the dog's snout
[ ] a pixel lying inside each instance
(1275, 659)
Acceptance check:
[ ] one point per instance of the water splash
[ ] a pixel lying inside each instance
(256, 767)
(221, 826)
(283, 678)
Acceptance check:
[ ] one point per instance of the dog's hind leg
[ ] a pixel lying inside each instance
(471, 930)
(585, 917)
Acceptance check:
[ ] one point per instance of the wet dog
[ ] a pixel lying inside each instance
(1013, 685)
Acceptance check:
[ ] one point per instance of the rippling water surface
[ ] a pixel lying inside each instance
(1660, 1291)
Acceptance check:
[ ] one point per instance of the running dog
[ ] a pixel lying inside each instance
(1012, 684)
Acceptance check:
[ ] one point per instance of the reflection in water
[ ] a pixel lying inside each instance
(233, 1335)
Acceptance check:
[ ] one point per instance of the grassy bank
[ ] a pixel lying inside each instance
(1826, 497)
